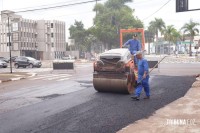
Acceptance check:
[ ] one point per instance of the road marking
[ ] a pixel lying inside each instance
(63, 79)
(41, 76)
(51, 76)
(58, 76)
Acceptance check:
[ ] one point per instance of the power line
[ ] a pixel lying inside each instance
(157, 10)
(59, 6)
(26, 8)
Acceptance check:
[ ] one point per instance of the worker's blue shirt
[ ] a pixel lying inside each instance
(142, 67)
(134, 45)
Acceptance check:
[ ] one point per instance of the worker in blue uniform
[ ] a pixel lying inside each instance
(134, 46)
(143, 77)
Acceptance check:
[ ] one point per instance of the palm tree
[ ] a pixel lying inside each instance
(158, 25)
(169, 32)
(190, 29)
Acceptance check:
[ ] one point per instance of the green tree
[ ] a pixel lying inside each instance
(112, 16)
(150, 36)
(157, 25)
(169, 32)
(84, 38)
(78, 33)
(191, 30)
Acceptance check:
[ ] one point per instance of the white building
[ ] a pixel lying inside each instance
(41, 39)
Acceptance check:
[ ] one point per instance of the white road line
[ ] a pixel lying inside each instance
(48, 76)
(63, 79)
(56, 77)
(41, 76)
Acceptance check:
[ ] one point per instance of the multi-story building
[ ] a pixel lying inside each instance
(51, 38)
(41, 39)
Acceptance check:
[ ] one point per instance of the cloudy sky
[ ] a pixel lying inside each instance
(143, 10)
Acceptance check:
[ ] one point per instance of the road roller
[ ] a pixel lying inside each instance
(114, 72)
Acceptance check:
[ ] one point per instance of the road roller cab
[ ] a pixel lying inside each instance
(114, 72)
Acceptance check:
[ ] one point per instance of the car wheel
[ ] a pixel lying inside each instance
(30, 65)
(16, 66)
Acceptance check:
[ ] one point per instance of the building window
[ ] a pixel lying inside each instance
(51, 25)
(15, 37)
(51, 34)
(52, 44)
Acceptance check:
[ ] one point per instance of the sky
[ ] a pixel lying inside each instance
(143, 10)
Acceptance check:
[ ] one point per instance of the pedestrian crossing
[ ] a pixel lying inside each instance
(83, 65)
(52, 77)
(179, 62)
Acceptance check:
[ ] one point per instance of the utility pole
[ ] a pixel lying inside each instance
(9, 43)
(96, 9)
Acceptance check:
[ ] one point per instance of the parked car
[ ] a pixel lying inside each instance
(13, 58)
(68, 57)
(4, 59)
(3, 64)
(24, 62)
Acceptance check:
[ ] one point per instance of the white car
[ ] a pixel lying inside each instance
(68, 57)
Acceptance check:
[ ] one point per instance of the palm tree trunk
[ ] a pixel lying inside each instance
(169, 48)
(149, 48)
(156, 49)
(190, 48)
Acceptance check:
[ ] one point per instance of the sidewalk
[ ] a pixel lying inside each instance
(180, 116)
(6, 77)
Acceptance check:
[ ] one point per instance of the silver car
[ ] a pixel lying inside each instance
(3, 64)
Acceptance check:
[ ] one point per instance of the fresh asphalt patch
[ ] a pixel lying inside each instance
(50, 96)
(108, 112)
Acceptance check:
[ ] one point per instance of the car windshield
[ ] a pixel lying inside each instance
(30, 58)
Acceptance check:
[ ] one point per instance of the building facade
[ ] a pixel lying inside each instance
(41, 39)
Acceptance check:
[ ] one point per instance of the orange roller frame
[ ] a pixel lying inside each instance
(138, 30)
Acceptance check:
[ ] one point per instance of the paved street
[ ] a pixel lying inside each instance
(48, 104)
(54, 77)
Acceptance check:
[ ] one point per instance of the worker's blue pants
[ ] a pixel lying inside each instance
(135, 58)
(144, 84)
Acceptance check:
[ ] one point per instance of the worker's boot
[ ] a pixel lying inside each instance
(147, 97)
(135, 98)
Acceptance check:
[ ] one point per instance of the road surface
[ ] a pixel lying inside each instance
(47, 104)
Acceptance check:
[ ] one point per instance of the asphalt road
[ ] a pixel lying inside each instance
(74, 106)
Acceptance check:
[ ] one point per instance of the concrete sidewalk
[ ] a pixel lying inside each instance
(180, 116)
(6, 77)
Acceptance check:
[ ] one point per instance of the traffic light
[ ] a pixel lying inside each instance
(181, 5)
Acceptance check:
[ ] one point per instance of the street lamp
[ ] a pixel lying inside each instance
(9, 43)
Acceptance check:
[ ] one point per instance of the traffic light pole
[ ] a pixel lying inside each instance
(9, 43)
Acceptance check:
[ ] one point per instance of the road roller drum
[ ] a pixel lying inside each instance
(114, 72)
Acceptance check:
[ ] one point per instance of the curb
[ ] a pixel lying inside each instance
(19, 78)
(159, 116)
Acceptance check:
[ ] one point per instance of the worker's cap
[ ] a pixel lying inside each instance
(135, 35)
(138, 53)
